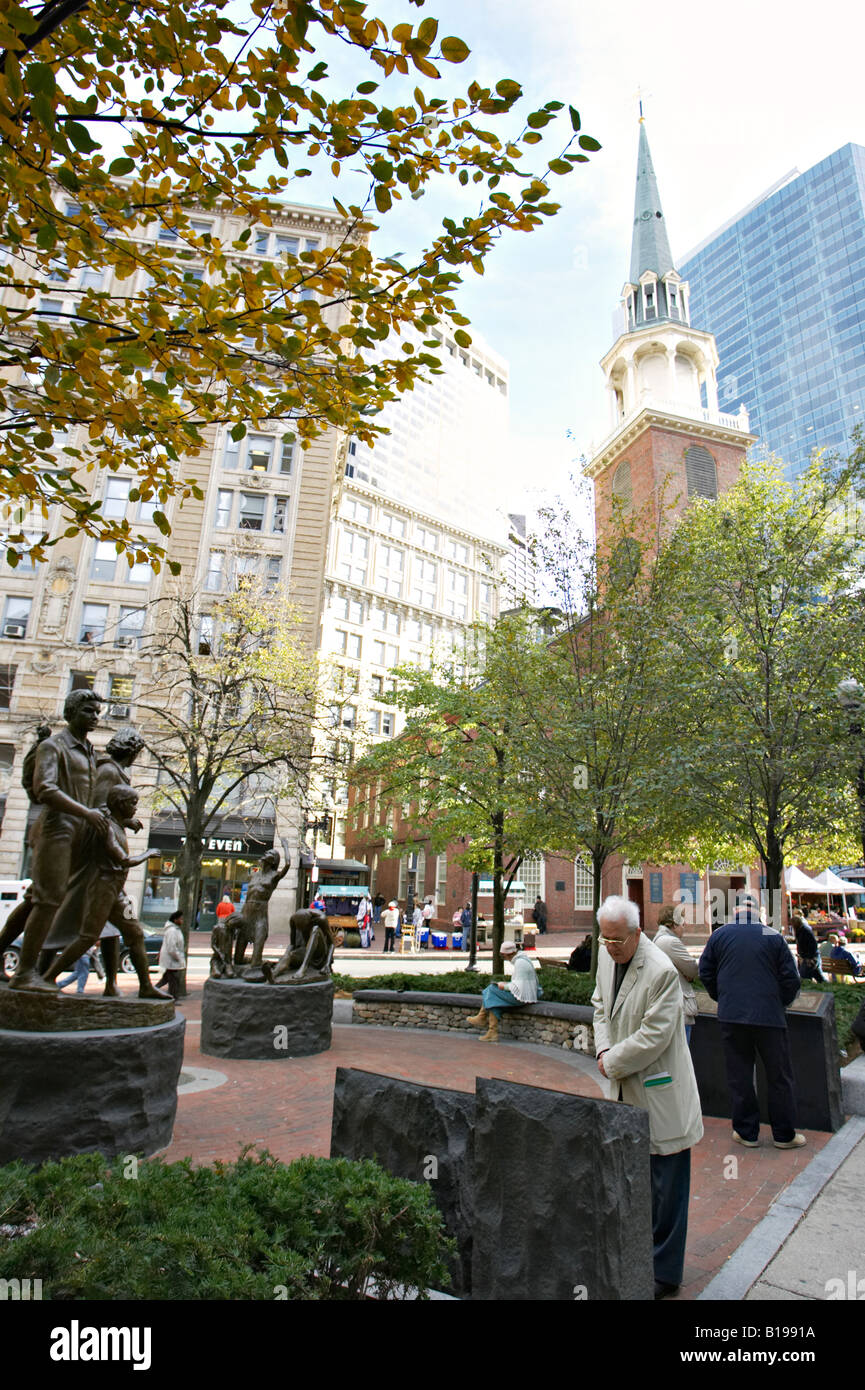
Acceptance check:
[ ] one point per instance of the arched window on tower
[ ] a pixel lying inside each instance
(701, 473)
(622, 493)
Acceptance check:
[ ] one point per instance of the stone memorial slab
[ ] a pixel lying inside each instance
(814, 1050)
(562, 1197)
(419, 1132)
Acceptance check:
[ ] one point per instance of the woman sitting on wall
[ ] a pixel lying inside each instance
(522, 988)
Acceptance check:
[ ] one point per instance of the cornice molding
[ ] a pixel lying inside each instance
(649, 418)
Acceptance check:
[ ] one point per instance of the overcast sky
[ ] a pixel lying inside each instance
(735, 97)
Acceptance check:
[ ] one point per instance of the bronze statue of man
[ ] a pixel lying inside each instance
(111, 771)
(63, 778)
(251, 924)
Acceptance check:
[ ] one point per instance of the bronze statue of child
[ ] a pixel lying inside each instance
(100, 877)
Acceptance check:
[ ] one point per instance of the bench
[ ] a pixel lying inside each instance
(841, 968)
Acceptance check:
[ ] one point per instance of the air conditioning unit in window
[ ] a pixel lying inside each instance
(14, 630)
(125, 642)
(118, 711)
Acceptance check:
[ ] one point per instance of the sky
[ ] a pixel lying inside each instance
(734, 97)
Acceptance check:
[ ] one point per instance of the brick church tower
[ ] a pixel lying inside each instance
(669, 441)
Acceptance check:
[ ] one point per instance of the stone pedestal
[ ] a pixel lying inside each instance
(261, 1023)
(108, 1090)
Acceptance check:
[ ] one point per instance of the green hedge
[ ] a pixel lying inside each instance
(314, 1229)
(559, 986)
(568, 987)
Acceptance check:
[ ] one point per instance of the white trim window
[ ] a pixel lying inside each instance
(441, 879)
(583, 882)
(353, 557)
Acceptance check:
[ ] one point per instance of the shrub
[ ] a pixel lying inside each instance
(314, 1229)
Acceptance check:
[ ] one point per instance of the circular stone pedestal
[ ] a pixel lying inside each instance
(261, 1023)
(110, 1091)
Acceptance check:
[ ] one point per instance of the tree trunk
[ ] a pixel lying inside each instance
(189, 877)
(774, 880)
(498, 894)
(598, 862)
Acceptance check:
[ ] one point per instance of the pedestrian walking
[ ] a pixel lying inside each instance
(79, 972)
(172, 956)
(669, 940)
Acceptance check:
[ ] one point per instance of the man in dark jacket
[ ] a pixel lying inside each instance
(749, 969)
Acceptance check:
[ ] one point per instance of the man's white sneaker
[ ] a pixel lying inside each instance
(795, 1143)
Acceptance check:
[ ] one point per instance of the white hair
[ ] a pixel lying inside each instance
(616, 908)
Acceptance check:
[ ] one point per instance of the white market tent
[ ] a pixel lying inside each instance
(797, 882)
(831, 883)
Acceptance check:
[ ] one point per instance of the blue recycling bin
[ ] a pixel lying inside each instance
(457, 940)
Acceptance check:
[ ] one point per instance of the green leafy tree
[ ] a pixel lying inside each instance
(228, 716)
(600, 717)
(121, 124)
(766, 622)
(460, 762)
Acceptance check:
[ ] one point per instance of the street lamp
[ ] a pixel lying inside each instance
(851, 696)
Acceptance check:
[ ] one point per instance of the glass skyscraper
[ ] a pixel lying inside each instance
(782, 287)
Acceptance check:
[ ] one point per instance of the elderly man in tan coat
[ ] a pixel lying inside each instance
(641, 1050)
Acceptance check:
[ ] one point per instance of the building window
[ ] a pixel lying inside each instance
(441, 879)
(94, 617)
(130, 627)
(146, 508)
(116, 498)
(402, 891)
(353, 556)
(532, 875)
(456, 593)
(701, 473)
(205, 636)
(280, 515)
(81, 680)
(224, 500)
(426, 539)
(255, 453)
(393, 525)
(583, 882)
(119, 697)
(385, 654)
(387, 724)
(272, 573)
(215, 577)
(104, 562)
(251, 511)
(357, 511)
(16, 616)
(7, 685)
(389, 568)
(424, 582)
(455, 550)
(139, 574)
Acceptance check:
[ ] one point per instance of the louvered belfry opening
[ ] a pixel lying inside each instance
(700, 471)
(622, 486)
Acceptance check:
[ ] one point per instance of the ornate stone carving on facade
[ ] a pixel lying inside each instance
(256, 480)
(57, 594)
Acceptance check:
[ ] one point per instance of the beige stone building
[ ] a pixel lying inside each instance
(83, 616)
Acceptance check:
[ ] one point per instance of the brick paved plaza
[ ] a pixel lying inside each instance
(285, 1106)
